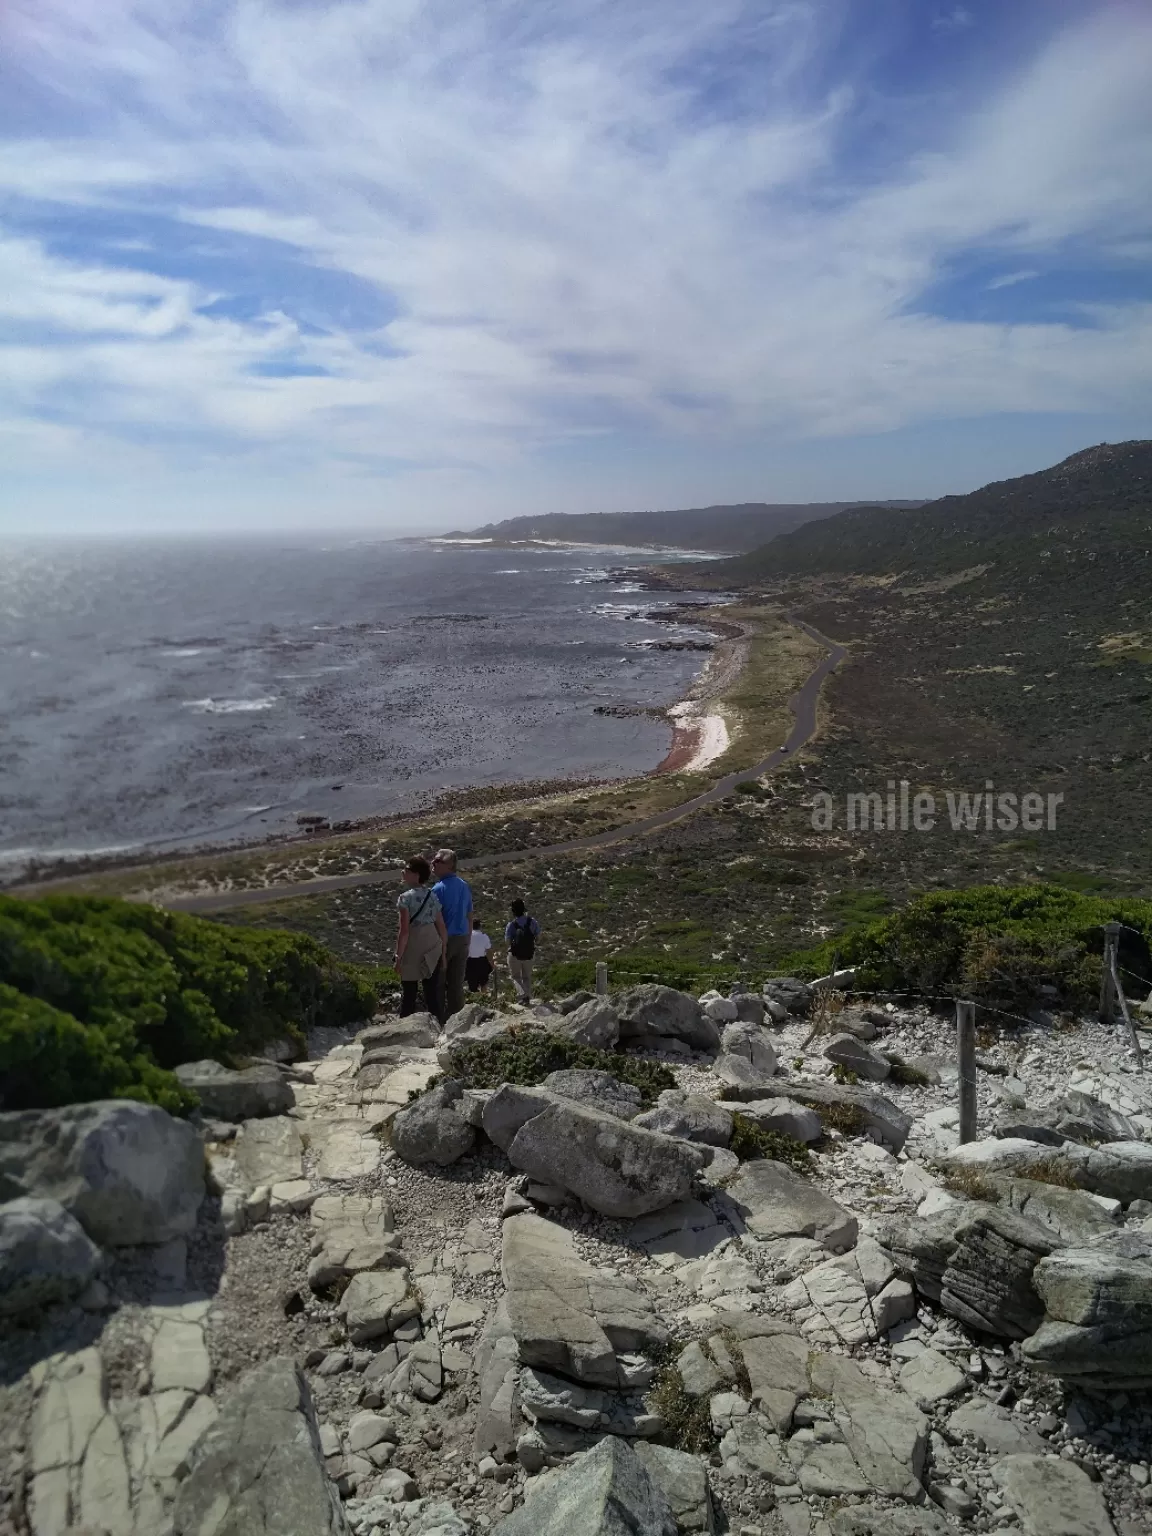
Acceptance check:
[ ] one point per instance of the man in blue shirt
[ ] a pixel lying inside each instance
(455, 897)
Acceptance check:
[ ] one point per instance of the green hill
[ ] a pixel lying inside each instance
(722, 528)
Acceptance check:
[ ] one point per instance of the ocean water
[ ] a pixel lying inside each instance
(158, 695)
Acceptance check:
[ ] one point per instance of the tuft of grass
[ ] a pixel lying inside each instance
(687, 1424)
(844, 1075)
(1050, 1170)
(751, 1141)
(970, 1184)
(527, 1056)
(846, 1118)
(905, 1074)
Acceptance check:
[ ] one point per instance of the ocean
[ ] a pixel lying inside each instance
(174, 694)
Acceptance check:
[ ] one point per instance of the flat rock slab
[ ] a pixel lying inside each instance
(929, 1378)
(851, 1299)
(376, 1303)
(886, 1433)
(776, 1202)
(269, 1151)
(875, 1114)
(257, 1470)
(344, 1150)
(686, 1229)
(352, 1233)
(995, 1430)
(1052, 1497)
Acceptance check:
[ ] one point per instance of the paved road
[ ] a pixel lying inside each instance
(803, 705)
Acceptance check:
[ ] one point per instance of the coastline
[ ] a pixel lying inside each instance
(701, 734)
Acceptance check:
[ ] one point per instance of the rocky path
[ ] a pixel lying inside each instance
(573, 1301)
(804, 706)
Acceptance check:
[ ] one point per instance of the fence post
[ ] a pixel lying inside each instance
(601, 978)
(966, 1068)
(1108, 979)
(1123, 1001)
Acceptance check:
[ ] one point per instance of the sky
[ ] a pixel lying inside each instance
(414, 264)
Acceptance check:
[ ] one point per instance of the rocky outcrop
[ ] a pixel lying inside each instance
(352, 1233)
(1052, 1498)
(433, 1129)
(616, 1168)
(656, 1017)
(258, 1471)
(129, 1173)
(744, 1079)
(1098, 1299)
(848, 1051)
(851, 1299)
(596, 1090)
(45, 1256)
(751, 1042)
(773, 1201)
(1073, 1215)
(977, 1261)
(594, 1023)
(604, 1492)
(689, 1116)
(783, 1116)
(244, 1095)
(1120, 1170)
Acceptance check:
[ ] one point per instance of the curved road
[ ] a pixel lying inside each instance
(803, 705)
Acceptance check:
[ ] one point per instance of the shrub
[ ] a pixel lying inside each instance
(687, 1421)
(527, 1056)
(751, 1141)
(904, 1073)
(148, 990)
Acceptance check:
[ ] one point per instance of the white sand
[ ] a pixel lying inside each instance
(713, 743)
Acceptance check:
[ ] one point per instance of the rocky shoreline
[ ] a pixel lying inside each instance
(503, 1306)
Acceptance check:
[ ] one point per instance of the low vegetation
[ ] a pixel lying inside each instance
(527, 1056)
(751, 1141)
(102, 998)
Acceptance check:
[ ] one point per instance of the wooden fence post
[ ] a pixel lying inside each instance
(966, 1068)
(1108, 978)
(601, 978)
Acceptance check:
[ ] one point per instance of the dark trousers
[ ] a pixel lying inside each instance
(454, 980)
(433, 994)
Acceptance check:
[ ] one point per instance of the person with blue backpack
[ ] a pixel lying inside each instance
(521, 935)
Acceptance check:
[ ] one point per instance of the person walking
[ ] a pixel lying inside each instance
(479, 965)
(421, 943)
(455, 898)
(521, 934)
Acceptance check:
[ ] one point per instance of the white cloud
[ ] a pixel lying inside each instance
(575, 236)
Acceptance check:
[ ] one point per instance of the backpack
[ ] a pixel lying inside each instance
(523, 943)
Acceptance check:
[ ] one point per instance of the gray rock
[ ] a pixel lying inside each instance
(376, 1303)
(1084, 1118)
(418, 1030)
(742, 1079)
(683, 1481)
(545, 1398)
(604, 1492)
(45, 1256)
(549, 1304)
(795, 995)
(878, 1117)
(1098, 1328)
(700, 1373)
(129, 1173)
(257, 1470)
(889, 1520)
(929, 1378)
(467, 1018)
(855, 1055)
(244, 1095)
(352, 1233)
(433, 1130)
(749, 1007)
(269, 1151)
(573, 1001)
(886, 1433)
(752, 1449)
(851, 1299)
(995, 1431)
(1073, 1215)
(751, 1042)
(690, 1116)
(1052, 1497)
(651, 1015)
(497, 1364)
(596, 1090)
(595, 1023)
(856, 1022)
(1121, 1170)
(776, 1202)
(780, 1115)
(616, 1168)
(510, 1108)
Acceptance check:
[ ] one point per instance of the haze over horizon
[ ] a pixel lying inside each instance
(380, 264)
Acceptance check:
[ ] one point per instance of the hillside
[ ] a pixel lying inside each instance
(728, 528)
(1051, 527)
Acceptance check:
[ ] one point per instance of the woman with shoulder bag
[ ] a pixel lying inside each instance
(421, 943)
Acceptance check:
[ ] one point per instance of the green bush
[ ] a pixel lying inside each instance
(751, 1141)
(113, 994)
(995, 944)
(526, 1056)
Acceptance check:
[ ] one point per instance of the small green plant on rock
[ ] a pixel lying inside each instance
(687, 1423)
(845, 1118)
(844, 1075)
(751, 1141)
(527, 1056)
(904, 1073)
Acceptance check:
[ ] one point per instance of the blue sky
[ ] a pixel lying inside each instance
(408, 263)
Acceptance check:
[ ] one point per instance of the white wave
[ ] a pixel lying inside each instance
(191, 650)
(229, 706)
(515, 571)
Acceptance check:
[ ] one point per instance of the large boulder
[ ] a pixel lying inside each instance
(885, 1432)
(1072, 1214)
(433, 1129)
(1098, 1328)
(854, 1109)
(604, 1492)
(616, 1168)
(45, 1256)
(1051, 1497)
(245, 1095)
(651, 1016)
(1120, 1170)
(753, 1043)
(129, 1173)
(690, 1116)
(596, 1090)
(744, 1079)
(511, 1107)
(595, 1023)
(258, 1469)
(418, 1030)
(780, 1115)
(776, 1202)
